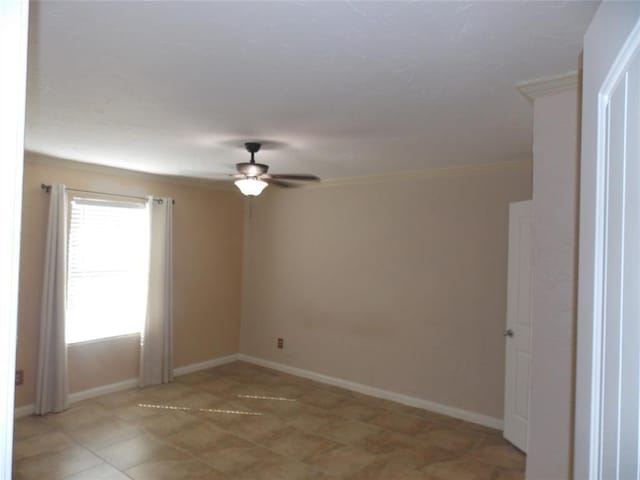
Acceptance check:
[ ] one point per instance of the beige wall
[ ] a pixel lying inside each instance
(208, 231)
(399, 285)
(553, 282)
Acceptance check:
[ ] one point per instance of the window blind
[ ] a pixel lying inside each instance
(107, 274)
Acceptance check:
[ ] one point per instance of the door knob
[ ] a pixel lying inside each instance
(508, 333)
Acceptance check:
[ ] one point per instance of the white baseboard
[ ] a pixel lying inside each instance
(102, 390)
(27, 410)
(356, 387)
(24, 411)
(214, 362)
(466, 415)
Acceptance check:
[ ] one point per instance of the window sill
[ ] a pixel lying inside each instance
(104, 339)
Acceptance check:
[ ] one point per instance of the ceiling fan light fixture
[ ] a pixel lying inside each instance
(251, 186)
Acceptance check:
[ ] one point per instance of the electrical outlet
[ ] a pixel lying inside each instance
(280, 343)
(19, 377)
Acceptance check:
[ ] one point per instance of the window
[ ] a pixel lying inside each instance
(108, 257)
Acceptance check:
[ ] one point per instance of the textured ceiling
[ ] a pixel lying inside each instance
(342, 88)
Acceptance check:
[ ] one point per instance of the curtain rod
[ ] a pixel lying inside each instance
(47, 188)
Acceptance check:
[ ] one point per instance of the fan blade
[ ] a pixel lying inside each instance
(279, 183)
(295, 177)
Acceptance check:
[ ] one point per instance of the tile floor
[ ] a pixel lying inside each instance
(240, 421)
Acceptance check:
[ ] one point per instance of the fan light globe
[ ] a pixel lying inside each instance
(251, 187)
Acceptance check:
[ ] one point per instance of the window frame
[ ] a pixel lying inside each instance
(106, 200)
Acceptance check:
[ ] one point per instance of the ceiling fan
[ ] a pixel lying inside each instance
(252, 177)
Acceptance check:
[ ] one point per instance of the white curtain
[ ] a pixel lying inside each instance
(156, 349)
(51, 386)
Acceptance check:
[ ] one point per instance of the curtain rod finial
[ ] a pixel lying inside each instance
(45, 187)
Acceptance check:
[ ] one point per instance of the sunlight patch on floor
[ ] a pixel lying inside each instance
(263, 397)
(205, 410)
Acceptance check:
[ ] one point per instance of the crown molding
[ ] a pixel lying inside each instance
(36, 158)
(540, 87)
(423, 174)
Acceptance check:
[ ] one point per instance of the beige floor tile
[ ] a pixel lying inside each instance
(75, 417)
(453, 440)
(175, 470)
(227, 412)
(252, 388)
(509, 475)
(30, 426)
(309, 418)
(283, 470)
(501, 456)
(319, 432)
(145, 448)
(166, 422)
(294, 443)
(196, 400)
(424, 455)
(286, 390)
(50, 442)
(104, 432)
(99, 472)
(321, 399)
(381, 469)
(384, 442)
(348, 432)
(340, 460)
(233, 460)
(134, 413)
(417, 458)
(217, 385)
(356, 410)
(493, 440)
(401, 423)
(195, 378)
(460, 470)
(257, 427)
(168, 392)
(204, 436)
(55, 465)
(121, 399)
(280, 409)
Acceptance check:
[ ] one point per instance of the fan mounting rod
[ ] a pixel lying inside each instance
(252, 148)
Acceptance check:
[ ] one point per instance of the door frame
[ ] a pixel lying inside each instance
(14, 21)
(610, 41)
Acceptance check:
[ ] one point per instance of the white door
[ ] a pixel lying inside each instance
(518, 331)
(608, 359)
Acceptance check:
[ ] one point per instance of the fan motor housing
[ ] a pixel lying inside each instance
(252, 169)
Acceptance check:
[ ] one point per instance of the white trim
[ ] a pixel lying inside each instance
(75, 397)
(540, 87)
(353, 386)
(601, 264)
(380, 393)
(14, 24)
(130, 383)
(103, 390)
(318, 377)
(24, 411)
(214, 362)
